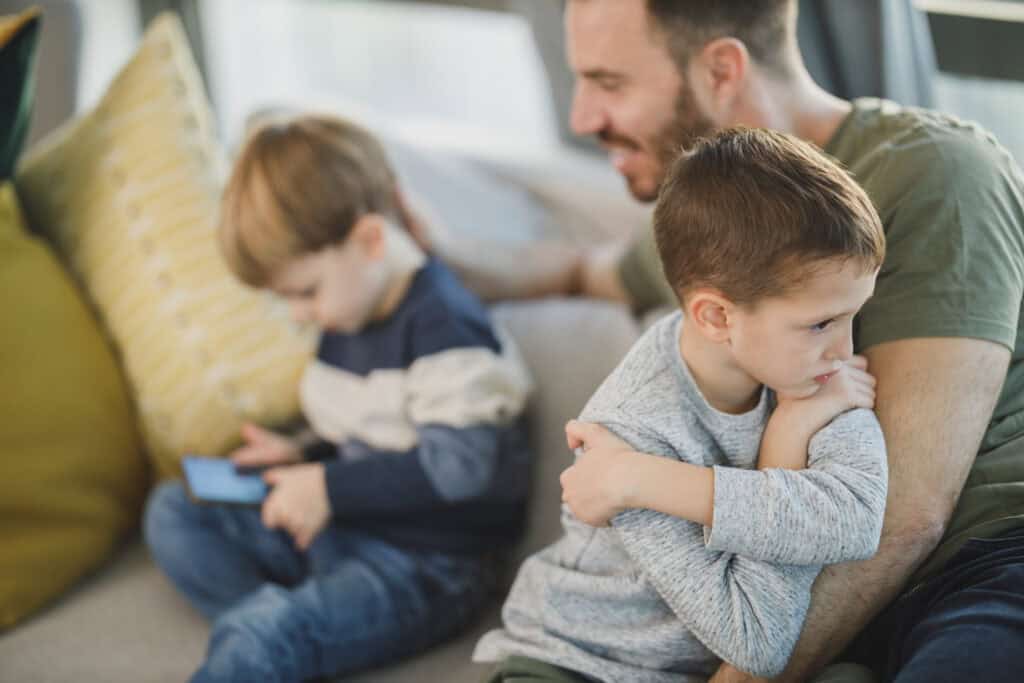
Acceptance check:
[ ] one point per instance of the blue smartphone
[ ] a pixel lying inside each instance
(216, 480)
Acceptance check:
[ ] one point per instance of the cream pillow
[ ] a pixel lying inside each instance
(129, 196)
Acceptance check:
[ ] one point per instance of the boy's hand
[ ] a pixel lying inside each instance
(297, 502)
(592, 487)
(264, 448)
(850, 387)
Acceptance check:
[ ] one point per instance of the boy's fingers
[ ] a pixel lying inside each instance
(253, 433)
(267, 514)
(273, 475)
(859, 362)
(246, 455)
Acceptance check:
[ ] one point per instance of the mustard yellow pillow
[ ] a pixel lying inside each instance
(72, 473)
(129, 195)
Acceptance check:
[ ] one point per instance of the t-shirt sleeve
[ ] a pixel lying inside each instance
(642, 276)
(955, 253)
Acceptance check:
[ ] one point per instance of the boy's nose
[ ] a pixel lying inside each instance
(842, 349)
(300, 311)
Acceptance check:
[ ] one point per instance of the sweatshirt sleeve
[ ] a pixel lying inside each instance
(829, 512)
(447, 465)
(748, 612)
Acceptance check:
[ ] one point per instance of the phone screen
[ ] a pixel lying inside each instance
(215, 480)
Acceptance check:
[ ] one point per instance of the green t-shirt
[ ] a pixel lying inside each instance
(952, 204)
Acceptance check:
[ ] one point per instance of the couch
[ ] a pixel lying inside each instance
(123, 621)
(127, 624)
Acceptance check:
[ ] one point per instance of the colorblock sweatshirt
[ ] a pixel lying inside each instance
(420, 416)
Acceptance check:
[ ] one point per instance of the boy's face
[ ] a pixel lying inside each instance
(336, 288)
(794, 343)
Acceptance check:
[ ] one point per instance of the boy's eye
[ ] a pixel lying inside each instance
(822, 326)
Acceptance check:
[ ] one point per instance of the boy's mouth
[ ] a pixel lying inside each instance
(822, 379)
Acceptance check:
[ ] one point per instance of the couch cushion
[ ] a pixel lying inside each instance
(19, 36)
(72, 475)
(129, 195)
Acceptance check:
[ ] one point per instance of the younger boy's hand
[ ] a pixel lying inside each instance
(297, 502)
(592, 487)
(264, 448)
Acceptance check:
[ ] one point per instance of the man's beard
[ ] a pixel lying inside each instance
(686, 127)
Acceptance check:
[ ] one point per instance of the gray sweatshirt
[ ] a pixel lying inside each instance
(655, 598)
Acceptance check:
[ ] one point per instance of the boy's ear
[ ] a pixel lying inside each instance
(710, 312)
(368, 234)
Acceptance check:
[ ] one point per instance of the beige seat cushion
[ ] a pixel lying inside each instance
(129, 195)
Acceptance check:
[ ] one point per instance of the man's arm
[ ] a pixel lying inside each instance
(537, 269)
(935, 398)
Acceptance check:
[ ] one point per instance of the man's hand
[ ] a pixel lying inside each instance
(297, 502)
(264, 448)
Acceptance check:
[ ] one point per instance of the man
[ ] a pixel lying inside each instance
(943, 600)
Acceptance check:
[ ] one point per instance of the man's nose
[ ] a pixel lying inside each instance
(586, 117)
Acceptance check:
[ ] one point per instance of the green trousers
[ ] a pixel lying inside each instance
(526, 670)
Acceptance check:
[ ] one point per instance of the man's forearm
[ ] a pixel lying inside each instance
(496, 271)
(847, 596)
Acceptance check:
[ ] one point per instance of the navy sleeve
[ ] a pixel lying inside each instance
(449, 465)
(443, 329)
(320, 450)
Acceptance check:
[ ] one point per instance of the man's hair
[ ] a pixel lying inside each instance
(766, 27)
(299, 185)
(755, 213)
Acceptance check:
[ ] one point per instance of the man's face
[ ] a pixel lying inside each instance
(629, 92)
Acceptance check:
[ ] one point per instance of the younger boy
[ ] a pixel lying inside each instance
(379, 547)
(771, 250)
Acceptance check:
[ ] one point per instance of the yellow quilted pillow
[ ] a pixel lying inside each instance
(129, 195)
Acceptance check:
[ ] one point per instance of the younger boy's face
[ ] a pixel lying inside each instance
(794, 343)
(335, 288)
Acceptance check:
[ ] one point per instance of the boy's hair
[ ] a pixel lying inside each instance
(755, 213)
(299, 185)
(766, 27)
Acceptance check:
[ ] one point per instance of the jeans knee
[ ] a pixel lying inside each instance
(167, 512)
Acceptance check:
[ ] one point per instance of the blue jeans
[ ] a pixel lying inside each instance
(350, 602)
(964, 624)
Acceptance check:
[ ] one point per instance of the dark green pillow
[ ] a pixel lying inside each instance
(19, 35)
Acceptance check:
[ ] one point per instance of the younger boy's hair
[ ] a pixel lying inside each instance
(755, 213)
(300, 184)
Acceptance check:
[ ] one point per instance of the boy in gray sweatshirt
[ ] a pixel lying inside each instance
(737, 451)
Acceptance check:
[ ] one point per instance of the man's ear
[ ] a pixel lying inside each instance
(368, 235)
(711, 313)
(718, 74)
